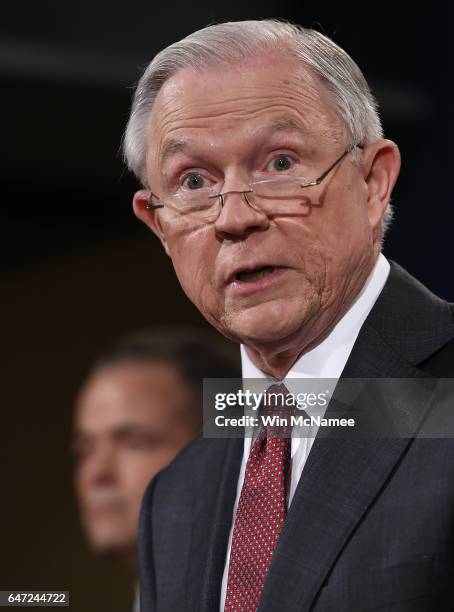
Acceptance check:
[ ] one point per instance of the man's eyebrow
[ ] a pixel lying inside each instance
(173, 146)
(282, 123)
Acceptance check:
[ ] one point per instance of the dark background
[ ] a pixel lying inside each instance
(78, 269)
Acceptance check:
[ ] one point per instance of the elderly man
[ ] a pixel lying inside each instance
(268, 181)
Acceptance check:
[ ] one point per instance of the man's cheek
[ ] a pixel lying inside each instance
(189, 272)
(208, 299)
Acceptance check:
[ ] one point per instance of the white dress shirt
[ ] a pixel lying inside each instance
(326, 360)
(136, 602)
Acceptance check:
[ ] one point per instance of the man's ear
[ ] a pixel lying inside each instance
(147, 216)
(381, 166)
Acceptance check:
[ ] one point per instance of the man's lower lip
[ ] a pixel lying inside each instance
(249, 286)
(104, 509)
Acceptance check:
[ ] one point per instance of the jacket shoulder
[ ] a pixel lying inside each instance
(441, 363)
(415, 322)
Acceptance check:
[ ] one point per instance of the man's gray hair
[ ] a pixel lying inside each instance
(231, 42)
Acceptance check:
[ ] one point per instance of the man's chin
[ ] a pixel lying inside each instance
(267, 323)
(110, 545)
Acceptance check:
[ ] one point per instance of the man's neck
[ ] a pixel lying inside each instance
(126, 560)
(277, 359)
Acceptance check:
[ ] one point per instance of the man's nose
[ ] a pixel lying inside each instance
(239, 216)
(100, 467)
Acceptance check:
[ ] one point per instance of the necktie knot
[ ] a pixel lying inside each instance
(276, 411)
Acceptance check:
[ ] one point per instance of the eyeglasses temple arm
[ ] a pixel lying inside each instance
(150, 205)
(338, 160)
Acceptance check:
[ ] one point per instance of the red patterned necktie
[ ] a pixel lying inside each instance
(261, 511)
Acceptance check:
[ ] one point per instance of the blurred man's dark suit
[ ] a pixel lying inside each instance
(371, 525)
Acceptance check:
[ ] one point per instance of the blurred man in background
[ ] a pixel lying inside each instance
(140, 405)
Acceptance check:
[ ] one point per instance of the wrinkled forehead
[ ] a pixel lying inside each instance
(229, 98)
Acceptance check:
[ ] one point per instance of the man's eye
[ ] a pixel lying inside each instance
(82, 450)
(138, 441)
(194, 181)
(281, 163)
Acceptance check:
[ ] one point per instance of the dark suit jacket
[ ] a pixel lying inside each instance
(371, 525)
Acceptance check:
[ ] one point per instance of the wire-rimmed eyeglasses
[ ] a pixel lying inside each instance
(270, 196)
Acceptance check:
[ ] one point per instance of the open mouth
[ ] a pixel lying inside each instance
(254, 275)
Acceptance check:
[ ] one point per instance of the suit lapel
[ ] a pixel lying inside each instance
(343, 477)
(211, 520)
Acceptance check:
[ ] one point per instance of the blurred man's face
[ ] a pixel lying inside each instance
(260, 278)
(131, 420)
